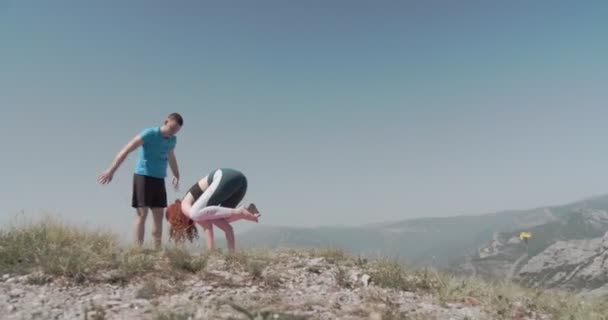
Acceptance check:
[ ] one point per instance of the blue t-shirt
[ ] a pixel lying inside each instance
(153, 154)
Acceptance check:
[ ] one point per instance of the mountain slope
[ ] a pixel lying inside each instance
(505, 254)
(445, 241)
(580, 265)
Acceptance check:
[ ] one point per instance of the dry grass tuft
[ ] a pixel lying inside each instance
(53, 248)
(47, 248)
(173, 315)
(182, 260)
(331, 254)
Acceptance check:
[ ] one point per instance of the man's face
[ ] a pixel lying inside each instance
(172, 127)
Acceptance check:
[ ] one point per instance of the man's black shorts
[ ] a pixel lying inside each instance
(148, 192)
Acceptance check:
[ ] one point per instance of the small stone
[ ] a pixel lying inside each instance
(375, 316)
(315, 261)
(140, 303)
(5, 277)
(16, 293)
(98, 298)
(113, 303)
(365, 279)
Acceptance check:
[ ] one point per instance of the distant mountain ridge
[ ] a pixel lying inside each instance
(447, 241)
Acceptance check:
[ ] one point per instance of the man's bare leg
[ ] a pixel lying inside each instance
(157, 228)
(140, 226)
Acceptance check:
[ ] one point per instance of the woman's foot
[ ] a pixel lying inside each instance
(245, 214)
(248, 215)
(253, 209)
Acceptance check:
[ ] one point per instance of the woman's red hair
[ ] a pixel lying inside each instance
(181, 227)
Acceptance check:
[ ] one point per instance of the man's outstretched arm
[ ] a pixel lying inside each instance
(107, 175)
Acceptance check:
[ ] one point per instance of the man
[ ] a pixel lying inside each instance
(158, 149)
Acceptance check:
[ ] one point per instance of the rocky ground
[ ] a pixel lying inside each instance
(281, 285)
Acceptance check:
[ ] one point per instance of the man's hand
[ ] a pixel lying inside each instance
(175, 183)
(105, 177)
(174, 168)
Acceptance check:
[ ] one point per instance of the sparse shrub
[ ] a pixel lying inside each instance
(250, 262)
(273, 281)
(264, 315)
(94, 312)
(314, 269)
(135, 263)
(331, 254)
(341, 277)
(182, 260)
(396, 315)
(173, 315)
(360, 261)
(389, 273)
(148, 290)
(256, 268)
(38, 278)
(237, 259)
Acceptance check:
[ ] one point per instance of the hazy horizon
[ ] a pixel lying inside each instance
(346, 113)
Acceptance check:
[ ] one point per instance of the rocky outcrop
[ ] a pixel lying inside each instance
(580, 265)
(505, 256)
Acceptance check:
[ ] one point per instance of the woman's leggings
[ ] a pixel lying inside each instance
(226, 189)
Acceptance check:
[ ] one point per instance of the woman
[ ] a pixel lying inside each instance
(211, 201)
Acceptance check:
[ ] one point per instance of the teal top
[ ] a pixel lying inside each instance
(153, 155)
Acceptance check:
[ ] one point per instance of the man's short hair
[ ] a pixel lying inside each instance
(177, 117)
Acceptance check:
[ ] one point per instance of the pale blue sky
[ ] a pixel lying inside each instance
(344, 113)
